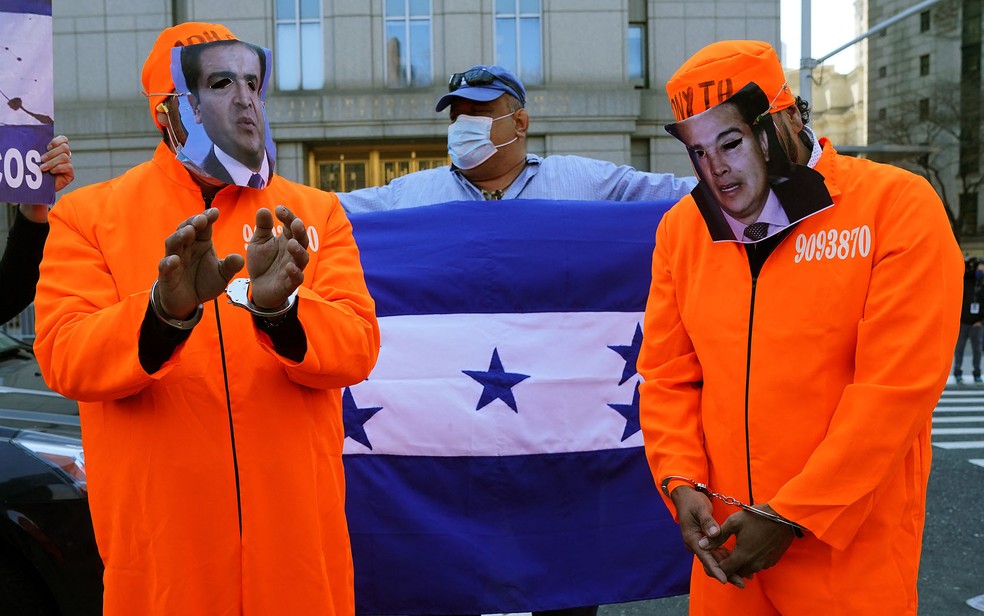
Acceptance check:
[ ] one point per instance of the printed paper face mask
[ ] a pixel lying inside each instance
(469, 141)
(741, 165)
(224, 112)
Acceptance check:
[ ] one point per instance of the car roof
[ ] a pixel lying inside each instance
(26, 402)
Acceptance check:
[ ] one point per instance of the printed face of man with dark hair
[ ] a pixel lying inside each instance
(730, 158)
(228, 101)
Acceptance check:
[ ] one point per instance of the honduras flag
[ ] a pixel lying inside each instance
(494, 458)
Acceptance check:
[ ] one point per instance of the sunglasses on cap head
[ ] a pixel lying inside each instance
(477, 77)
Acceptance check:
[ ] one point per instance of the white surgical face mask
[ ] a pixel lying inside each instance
(469, 142)
(177, 144)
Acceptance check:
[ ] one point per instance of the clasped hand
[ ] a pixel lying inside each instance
(759, 542)
(191, 273)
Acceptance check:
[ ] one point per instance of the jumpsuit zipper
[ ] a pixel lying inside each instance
(756, 261)
(748, 375)
(225, 380)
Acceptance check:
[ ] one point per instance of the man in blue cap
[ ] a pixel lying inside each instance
(487, 144)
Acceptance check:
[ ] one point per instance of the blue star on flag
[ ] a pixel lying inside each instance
(496, 383)
(630, 354)
(355, 418)
(631, 414)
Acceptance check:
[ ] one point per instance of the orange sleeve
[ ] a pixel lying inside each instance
(336, 312)
(669, 407)
(81, 318)
(904, 352)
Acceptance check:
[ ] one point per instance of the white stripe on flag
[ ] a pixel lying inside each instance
(429, 403)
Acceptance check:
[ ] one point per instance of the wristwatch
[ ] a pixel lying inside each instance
(238, 294)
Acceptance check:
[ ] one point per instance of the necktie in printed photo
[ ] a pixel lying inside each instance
(756, 231)
(256, 181)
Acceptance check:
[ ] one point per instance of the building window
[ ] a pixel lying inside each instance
(408, 43)
(924, 65)
(882, 71)
(637, 55)
(346, 168)
(518, 38)
(923, 108)
(300, 55)
(924, 22)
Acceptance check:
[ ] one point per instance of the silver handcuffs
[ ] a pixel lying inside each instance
(238, 294)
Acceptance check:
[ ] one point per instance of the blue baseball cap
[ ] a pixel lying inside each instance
(483, 83)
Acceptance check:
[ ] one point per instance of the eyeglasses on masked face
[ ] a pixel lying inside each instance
(478, 77)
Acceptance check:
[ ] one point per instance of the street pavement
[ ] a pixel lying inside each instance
(951, 576)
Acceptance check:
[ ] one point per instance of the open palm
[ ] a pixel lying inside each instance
(190, 272)
(276, 262)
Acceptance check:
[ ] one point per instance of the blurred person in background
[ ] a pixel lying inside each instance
(971, 320)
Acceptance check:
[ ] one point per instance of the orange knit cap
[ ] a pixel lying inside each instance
(719, 70)
(156, 75)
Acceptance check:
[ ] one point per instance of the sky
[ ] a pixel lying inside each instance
(833, 25)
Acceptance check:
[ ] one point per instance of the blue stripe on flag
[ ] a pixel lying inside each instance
(510, 533)
(464, 256)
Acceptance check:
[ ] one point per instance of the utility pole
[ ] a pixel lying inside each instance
(807, 63)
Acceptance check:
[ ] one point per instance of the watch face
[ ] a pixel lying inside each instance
(224, 112)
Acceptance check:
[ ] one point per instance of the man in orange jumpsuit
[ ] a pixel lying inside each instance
(212, 433)
(790, 381)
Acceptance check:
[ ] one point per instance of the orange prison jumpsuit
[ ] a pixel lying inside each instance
(175, 458)
(844, 344)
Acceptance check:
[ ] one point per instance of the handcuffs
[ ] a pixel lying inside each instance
(238, 294)
(182, 324)
(798, 529)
